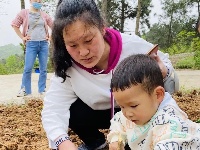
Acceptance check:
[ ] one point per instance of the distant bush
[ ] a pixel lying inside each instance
(3, 69)
(185, 63)
(196, 47)
(15, 65)
(197, 59)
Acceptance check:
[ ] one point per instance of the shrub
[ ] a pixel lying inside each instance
(196, 47)
(14, 64)
(186, 63)
(3, 69)
(197, 59)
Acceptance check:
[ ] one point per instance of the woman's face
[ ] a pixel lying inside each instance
(84, 43)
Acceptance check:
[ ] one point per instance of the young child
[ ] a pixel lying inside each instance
(149, 118)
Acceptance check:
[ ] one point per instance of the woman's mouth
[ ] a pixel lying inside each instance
(87, 60)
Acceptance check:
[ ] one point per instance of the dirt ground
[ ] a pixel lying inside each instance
(21, 129)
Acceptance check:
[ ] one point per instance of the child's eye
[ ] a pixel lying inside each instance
(73, 46)
(134, 106)
(121, 107)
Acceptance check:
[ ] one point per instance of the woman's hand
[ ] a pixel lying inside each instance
(163, 68)
(48, 38)
(67, 145)
(26, 38)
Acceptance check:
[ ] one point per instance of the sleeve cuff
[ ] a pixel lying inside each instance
(168, 74)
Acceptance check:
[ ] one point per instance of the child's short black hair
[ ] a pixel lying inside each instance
(137, 69)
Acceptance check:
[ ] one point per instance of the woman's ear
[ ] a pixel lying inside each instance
(160, 93)
(103, 31)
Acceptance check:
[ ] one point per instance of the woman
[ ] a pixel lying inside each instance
(35, 36)
(86, 53)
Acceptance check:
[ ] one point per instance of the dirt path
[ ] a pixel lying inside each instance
(10, 84)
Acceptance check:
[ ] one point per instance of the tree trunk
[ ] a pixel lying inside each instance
(138, 17)
(22, 4)
(104, 9)
(122, 16)
(169, 38)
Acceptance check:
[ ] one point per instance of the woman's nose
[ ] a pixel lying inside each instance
(84, 51)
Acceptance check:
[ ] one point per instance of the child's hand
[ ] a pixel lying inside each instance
(66, 145)
(113, 146)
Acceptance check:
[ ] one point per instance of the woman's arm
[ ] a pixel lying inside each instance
(19, 33)
(55, 113)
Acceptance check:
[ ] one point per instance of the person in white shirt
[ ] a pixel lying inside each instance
(85, 54)
(149, 118)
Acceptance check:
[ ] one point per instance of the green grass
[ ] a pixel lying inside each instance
(185, 63)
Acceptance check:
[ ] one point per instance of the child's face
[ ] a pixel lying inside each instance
(137, 105)
(84, 43)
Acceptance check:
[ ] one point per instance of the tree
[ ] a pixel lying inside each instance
(138, 17)
(22, 4)
(194, 4)
(120, 10)
(104, 9)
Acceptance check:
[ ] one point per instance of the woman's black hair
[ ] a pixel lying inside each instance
(67, 12)
(137, 69)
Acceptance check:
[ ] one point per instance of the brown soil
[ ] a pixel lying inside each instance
(21, 129)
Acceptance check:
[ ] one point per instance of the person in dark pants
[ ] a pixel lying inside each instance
(86, 53)
(100, 119)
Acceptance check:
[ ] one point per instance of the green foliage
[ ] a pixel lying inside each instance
(14, 65)
(23, 47)
(195, 44)
(185, 63)
(36, 64)
(181, 43)
(3, 69)
(177, 49)
(197, 59)
(196, 48)
(119, 11)
(159, 34)
(185, 38)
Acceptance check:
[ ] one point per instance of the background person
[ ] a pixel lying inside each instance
(35, 36)
(85, 54)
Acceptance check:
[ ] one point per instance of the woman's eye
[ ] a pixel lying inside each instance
(89, 40)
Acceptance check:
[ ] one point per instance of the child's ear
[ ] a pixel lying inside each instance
(160, 93)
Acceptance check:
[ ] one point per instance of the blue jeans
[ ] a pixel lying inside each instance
(34, 49)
